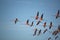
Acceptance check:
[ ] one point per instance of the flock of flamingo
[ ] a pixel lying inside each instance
(44, 25)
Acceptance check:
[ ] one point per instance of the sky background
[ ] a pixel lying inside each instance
(23, 10)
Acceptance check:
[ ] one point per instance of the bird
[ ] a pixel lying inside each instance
(35, 32)
(39, 32)
(37, 16)
(32, 23)
(44, 25)
(38, 22)
(58, 28)
(16, 20)
(49, 38)
(45, 30)
(55, 32)
(41, 18)
(27, 22)
(56, 37)
(50, 25)
(57, 15)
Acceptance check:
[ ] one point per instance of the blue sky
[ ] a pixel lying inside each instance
(23, 10)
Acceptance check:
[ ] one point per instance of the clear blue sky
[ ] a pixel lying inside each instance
(23, 10)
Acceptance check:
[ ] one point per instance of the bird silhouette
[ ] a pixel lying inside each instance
(27, 22)
(55, 32)
(39, 32)
(38, 22)
(16, 20)
(56, 37)
(45, 30)
(59, 28)
(41, 18)
(49, 38)
(32, 24)
(37, 16)
(50, 25)
(35, 32)
(44, 25)
(57, 15)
